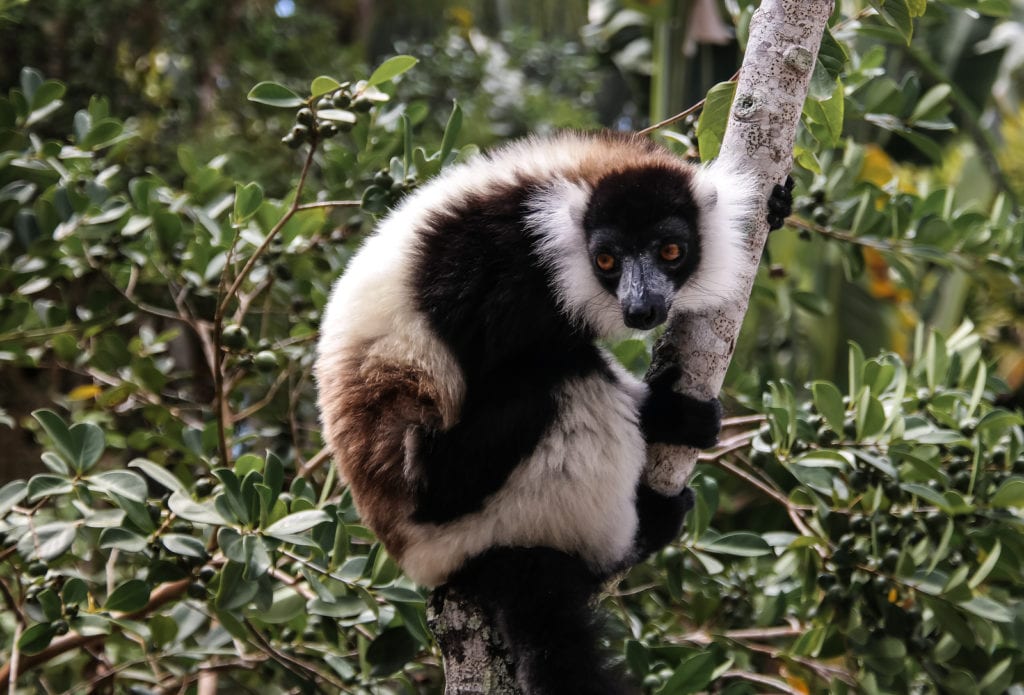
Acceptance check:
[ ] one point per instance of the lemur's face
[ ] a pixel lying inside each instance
(642, 238)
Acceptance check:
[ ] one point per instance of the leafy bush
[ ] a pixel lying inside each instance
(859, 532)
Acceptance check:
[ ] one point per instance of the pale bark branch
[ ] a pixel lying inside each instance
(781, 53)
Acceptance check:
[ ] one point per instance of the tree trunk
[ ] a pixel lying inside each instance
(783, 48)
(784, 39)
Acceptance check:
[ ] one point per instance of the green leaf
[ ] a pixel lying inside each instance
(74, 591)
(163, 629)
(826, 116)
(337, 116)
(159, 474)
(183, 545)
(713, 119)
(897, 15)
(691, 676)
(247, 200)
(273, 474)
(131, 596)
(36, 638)
(987, 566)
(933, 104)
(49, 541)
(123, 539)
(323, 85)
(101, 134)
(48, 92)
(127, 484)
(42, 485)
(274, 94)
(390, 69)
(81, 446)
(197, 512)
(451, 132)
(30, 79)
(988, 609)
(49, 602)
(257, 558)
(297, 523)
(926, 493)
(391, 650)
(829, 402)
(231, 497)
(998, 422)
(234, 592)
(11, 494)
(739, 543)
(1009, 494)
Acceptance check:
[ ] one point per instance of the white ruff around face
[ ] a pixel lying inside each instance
(727, 199)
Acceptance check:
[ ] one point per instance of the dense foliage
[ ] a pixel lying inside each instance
(858, 528)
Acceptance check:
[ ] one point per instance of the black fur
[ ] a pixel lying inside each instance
(660, 519)
(515, 349)
(635, 212)
(541, 601)
(780, 204)
(669, 417)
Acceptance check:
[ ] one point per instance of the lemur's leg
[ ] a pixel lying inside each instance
(540, 601)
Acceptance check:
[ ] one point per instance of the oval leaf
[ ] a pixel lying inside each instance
(36, 638)
(247, 200)
(274, 94)
(131, 596)
(390, 69)
(297, 523)
(159, 474)
(740, 543)
(323, 84)
(336, 115)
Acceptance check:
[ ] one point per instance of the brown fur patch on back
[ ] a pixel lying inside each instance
(367, 410)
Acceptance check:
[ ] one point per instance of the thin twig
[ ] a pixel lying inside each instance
(330, 204)
(780, 685)
(162, 595)
(220, 397)
(682, 114)
(263, 402)
(323, 455)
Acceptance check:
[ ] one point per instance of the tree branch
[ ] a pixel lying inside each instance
(162, 595)
(781, 53)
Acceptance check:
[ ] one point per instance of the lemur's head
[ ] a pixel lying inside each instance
(642, 229)
(642, 236)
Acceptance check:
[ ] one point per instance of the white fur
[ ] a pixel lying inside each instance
(575, 492)
(556, 220)
(728, 201)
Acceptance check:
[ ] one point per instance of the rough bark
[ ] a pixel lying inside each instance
(781, 53)
(784, 39)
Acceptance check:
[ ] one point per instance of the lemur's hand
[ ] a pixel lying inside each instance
(780, 204)
(675, 418)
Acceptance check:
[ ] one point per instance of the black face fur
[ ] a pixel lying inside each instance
(641, 228)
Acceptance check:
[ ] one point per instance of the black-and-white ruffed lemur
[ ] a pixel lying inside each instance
(488, 441)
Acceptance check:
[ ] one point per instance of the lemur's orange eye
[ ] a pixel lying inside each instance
(671, 252)
(605, 261)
